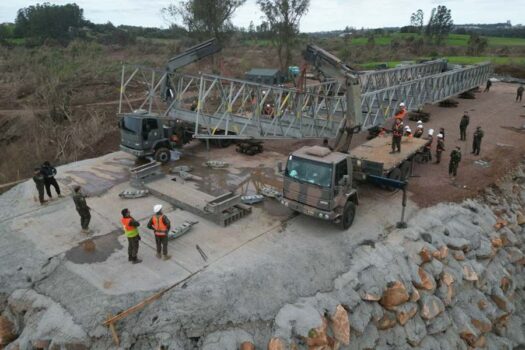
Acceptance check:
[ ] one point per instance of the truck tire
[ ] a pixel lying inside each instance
(162, 155)
(405, 170)
(347, 218)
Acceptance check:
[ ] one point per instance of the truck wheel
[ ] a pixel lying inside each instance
(162, 155)
(348, 215)
(405, 170)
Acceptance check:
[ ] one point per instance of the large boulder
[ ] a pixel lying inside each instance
(431, 306)
(341, 325)
(395, 294)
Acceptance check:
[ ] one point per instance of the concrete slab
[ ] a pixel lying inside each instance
(55, 229)
(117, 275)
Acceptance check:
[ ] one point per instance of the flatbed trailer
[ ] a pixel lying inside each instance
(374, 158)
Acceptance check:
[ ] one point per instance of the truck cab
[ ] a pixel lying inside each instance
(144, 135)
(318, 182)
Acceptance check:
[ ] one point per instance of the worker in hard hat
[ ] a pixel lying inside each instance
(131, 231)
(397, 133)
(419, 131)
(428, 147)
(440, 147)
(455, 158)
(401, 112)
(160, 225)
(442, 132)
(408, 131)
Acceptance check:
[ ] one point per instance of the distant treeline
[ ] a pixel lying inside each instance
(42, 23)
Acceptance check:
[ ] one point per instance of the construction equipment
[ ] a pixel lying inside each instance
(182, 229)
(346, 102)
(144, 133)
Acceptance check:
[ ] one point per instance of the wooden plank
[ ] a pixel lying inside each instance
(114, 334)
(10, 184)
(109, 322)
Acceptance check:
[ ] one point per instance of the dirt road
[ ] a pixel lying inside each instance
(496, 112)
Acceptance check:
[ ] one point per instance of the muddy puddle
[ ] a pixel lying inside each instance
(96, 249)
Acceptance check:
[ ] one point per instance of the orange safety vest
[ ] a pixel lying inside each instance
(159, 227)
(129, 231)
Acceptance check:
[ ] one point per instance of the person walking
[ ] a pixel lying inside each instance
(476, 142)
(82, 208)
(131, 231)
(38, 178)
(465, 120)
(49, 173)
(397, 133)
(519, 93)
(440, 147)
(455, 158)
(487, 87)
(160, 225)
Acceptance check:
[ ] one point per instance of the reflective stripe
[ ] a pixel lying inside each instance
(129, 231)
(159, 227)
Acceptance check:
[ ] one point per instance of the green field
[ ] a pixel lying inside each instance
(456, 60)
(452, 40)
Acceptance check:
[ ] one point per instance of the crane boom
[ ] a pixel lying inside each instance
(332, 67)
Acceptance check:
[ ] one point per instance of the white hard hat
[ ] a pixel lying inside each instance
(409, 130)
(402, 104)
(407, 127)
(157, 208)
(420, 126)
(440, 136)
(431, 132)
(419, 122)
(267, 105)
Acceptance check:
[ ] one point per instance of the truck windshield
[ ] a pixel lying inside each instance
(131, 124)
(310, 171)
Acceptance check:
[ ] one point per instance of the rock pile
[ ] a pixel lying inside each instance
(455, 279)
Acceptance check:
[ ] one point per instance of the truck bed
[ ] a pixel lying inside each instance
(378, 150)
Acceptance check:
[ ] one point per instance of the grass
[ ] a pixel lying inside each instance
(456, 60)
(452, 40)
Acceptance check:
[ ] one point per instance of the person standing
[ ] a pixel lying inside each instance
(160, 225)
(487, 87)
(397, 133)
(455, 158)
(82, 208)
(476, 142)
(131, 231)
(440, 147)
(428, 146)
(442, 132)
(519, 93)
(419, 131)
(465, 120)
(38, 178)
(49, 173)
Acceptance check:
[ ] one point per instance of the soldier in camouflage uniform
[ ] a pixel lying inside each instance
(476, 142)
(455, 158)
(38, 178)
(440, 147)
(82, 208)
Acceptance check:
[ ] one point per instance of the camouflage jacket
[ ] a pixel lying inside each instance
(455, 156)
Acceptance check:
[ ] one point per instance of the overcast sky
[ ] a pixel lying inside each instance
(323, 14)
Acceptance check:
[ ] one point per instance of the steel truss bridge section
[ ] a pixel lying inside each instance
(220, 107)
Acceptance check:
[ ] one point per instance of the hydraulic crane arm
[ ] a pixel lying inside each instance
(193, 54)
(332, 67)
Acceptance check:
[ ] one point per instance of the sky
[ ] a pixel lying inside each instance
(323, 15)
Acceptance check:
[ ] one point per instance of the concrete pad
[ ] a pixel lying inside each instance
(110, 204)
(117, 275)
(55, 229)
